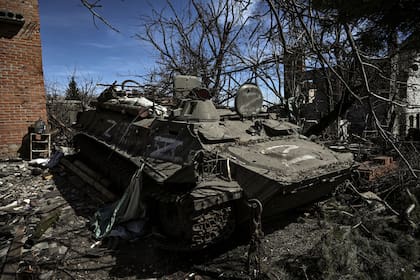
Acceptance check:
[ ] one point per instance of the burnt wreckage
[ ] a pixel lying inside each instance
(201, 165)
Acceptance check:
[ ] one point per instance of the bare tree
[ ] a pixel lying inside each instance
(285, 46)
(315, 42)
(88, 89)
(202, 40)
(92, 7)
(53, 90)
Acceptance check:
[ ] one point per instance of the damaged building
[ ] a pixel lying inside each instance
(409, 116)
(311, 90)
(22, 90)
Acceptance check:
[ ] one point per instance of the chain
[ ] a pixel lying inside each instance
(255, 250)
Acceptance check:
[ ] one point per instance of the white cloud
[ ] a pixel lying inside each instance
(242, 10)
(97, 45)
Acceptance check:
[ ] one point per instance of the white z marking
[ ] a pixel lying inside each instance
(165, 146)
(113, 123)
(285, 151)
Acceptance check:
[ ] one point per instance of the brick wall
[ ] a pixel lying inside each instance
(22, 93)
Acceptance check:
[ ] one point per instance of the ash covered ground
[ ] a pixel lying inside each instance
(366, 230)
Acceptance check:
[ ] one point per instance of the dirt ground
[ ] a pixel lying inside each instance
(45, 233)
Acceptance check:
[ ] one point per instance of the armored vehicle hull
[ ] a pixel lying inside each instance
(200, 170)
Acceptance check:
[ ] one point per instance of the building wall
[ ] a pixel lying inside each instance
(412, 111)
(22, 93)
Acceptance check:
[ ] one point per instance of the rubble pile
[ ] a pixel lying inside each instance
(365, 231)
(43, 222)
(62, 134)
(46, 232)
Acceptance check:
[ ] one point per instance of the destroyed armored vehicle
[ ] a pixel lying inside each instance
(201, 165)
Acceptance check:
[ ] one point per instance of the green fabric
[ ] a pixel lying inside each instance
(128, 207)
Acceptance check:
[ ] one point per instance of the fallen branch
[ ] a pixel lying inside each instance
(373, 199)
(411, 208)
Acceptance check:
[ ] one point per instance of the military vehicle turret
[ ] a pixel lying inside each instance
(203, 164)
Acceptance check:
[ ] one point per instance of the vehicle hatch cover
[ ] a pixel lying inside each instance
(248, 100)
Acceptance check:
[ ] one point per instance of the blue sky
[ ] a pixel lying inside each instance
(71, 41)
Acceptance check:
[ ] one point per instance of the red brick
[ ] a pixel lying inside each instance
(22, 91)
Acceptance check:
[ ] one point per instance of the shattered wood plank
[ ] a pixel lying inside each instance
(45, 224)
(13, 256)
(51, 208)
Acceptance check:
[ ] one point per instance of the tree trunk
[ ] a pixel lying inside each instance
(339, 110)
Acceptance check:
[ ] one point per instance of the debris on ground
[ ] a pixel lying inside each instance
(369, 229)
